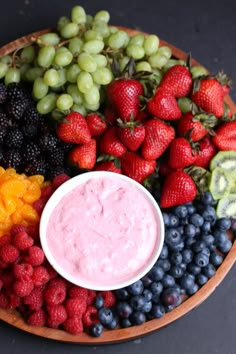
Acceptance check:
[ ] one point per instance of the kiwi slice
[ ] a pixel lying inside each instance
(225, 160)
(220, 183)
(227, 207)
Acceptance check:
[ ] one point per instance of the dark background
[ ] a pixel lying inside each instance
(207, 29)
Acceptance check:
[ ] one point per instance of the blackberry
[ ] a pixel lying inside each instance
(31, 116)
(31, 152)
(56, 157)
(3, 133)
(12, 159)
(30, 130)
(15, 91)
(14, 138)
(1, 156)
(37, 167)
(4, 122)
(54, 171)
(66, 146)
(15, 108)
(3, 93)
(48, 142)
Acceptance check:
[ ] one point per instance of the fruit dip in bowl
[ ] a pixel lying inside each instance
(102, 230)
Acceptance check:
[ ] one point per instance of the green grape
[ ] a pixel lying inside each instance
(3, 69)
(91, 35)
(62, 77)
(123, 62)
(23, 69)
(47, 104)
(32, 74)
(91, 107)
(51, 77)
(118, 40)
(84, 82)
(135, 51)
(92, 97)
(27, 54)
(166, 51)
(48, 39)
(61, 49)
(100, 60)
(102, 16)
(70, 30)
(156, 76)
(12, 75)
(6, 60)
(198, 71)
(151, 44)
(87, 63)
(157, 61)
(143, 66)
(172, 62)
(75, 94)
(93, 46)
(75, 45)
(102, 76)
(64, 102)
(137, 39)
(79, 108)
(40, 89)
(62, 22)
(72, 72)
(46, 56)
(78, 15)
(185, 104)
(89, 20)
(113, 29)
(57, 115)
(63, 58)
(101, 27)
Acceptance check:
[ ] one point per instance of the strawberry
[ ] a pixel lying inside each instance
(84, 156)
(74, 129)
(205, 153)
(96, 124)
(109, 166)
(157, 138)
(136, 167)
(164, 106)
(192, 126)
(131, 135)
(110, 115)
(180, 153)
(123, 95)
(111, 144)
(178, 188)
(210, 96)
(177, 81)
(225, 136)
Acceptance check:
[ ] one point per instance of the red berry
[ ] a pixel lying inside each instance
(39, 205)
(37, 318)
(57, 314)
(75, 306)
(91, 297)
(55, 295)
(1, 284)
(22, 241)
(46, 192)
(90, 316)
(40, 276)
(7, 279)
(51, 271)
(109, 298)
(5, 240)
(73, 325)
(23, 287)
(14, 301)
(35, 256)
(9, 253)
(17, 228)
(33, 231)
(35, 299)
(59, 180)
(77, 291)
(23, 271)
(3, 301)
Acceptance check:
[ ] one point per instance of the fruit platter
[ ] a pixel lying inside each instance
(88, 97)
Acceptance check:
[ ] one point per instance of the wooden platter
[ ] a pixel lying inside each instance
(13, 318)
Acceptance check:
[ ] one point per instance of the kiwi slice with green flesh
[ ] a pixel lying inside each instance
(225, 160)
(227, 207)
(220, 183)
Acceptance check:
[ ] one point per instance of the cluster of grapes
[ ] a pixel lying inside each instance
(70, 67)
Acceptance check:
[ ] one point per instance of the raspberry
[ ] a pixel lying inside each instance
(9, 253)
(7, 279)
(75, 306)
(73, 325)
(77, 291)
(37, 318)
(40, 276)
(57, 314)
(46, 192)
(17, 228)
(59, 180)
(22, 241)
(91, 297)
(3, 301)
(33, 231)
(13, 301)
(90, 317)
(51, 271)
(3, 265)
(23, 287)
(55, 295)
(59, 282)
(23, 271)
(109, 298)
(35, 256)
(1, 284)
(5, 240)
(35, 299)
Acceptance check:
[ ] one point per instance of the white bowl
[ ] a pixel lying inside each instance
(113, 230)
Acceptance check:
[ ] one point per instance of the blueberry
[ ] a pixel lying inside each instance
(191, 209)
(169, 308)
(209, 214)
(147, 307)
(105, 315)
(189, 242)
(201, 279)
(206, 227)
(168, 281)
(190, 230)
(181, 211)
(147, 294)
(137, 302)
(99, 302)
(206, 198)
(170, 296)
(113, 324)
(233, 226)
(96, 330)
(122, 294)
(193, 269)
(124, 309)
(156, 273)
(179, 247)
(220, 237)
(198, 246)
(174, 220)
(172, 237)
(164, 252)
(181, 229)
(225, 246)
(187, 282)
(176, 258)
(125, 323)
(183, 266)
(201, 259)
(208, 240)
(209, 270)
(156, 299)
(137, 318)
(192, 290)
(176, 272)
(223, 224)
(196, 219)
(187, 256)
(136, 288)
(156, 288)
(158, 311)
(166, 219)
(146, 281)
(216, 259)
(164, 264)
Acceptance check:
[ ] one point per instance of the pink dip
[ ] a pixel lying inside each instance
(103, 231)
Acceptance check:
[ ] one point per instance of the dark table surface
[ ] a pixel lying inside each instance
(207, 29)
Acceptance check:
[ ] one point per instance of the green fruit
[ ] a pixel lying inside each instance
(227, 207)
(220, 183)
(225, 160)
